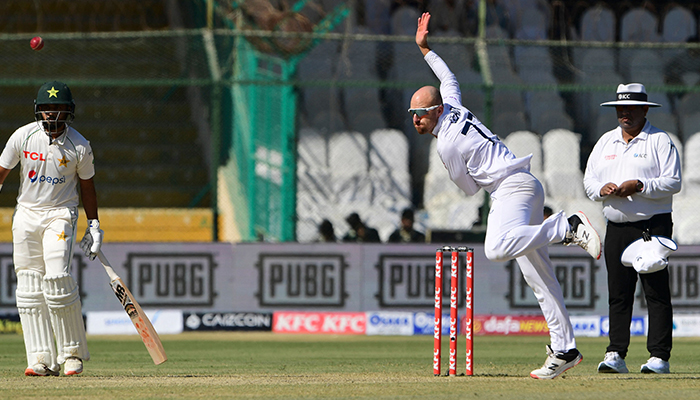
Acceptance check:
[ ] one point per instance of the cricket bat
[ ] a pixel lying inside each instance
(133, 310)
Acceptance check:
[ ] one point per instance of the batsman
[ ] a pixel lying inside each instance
(54, 161)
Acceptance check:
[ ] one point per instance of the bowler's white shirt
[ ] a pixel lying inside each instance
(650, 157)
(474, 157)
(48, 173)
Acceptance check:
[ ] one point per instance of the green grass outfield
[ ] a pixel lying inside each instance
(276, 366)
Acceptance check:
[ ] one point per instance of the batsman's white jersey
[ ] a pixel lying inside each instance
(475, 158)
(43, 234)
(48, 172)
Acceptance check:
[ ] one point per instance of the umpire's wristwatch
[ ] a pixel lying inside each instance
(639, 187)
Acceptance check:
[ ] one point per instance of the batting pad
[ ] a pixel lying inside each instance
(61, 293)
(35, 320)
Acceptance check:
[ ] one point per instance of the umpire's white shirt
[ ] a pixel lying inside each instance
(650, 157)
(49, 172)
(474, 157)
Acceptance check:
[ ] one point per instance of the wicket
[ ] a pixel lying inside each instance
(454, 315)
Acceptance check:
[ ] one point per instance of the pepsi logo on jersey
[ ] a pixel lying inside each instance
(34, 176)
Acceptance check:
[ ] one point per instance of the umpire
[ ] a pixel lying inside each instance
(635, 170)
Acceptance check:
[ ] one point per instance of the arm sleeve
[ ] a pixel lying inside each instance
(591, 181)
(449, 87)
(86, 164)
(457, 169)
(11, 154)
(669, 180)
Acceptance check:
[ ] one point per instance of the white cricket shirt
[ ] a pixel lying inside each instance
(474, 157)
(48, 173)
(650, 157)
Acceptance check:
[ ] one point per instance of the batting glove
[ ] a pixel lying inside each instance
(92, 241)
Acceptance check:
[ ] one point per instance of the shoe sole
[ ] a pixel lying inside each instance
(647, 370)
(605, 369)
(587, 223)
(73, 372)
(30, 372)
(573, 363)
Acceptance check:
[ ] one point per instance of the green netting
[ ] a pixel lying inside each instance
(262, 160)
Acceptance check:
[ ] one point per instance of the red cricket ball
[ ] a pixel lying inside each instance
(37, 43)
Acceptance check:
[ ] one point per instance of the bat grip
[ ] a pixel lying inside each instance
(107, 266)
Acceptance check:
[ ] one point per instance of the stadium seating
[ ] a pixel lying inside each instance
(636, 25)
(540, 102)
(532, 25)
(598, 24)
(685, 224)
(639, 25)
(663, 119)
(349, 168)
(551, 119)
(320, 63)
(561, 150)
(328, 121)
(506, 122)
(534, 65)
(690, 125)
(390, 179)
(522, 143)
(403, 20)
(679, 24)
(508, 101)
(357, 61)
(367, 121)
(314, 189)
(691, 167)
(646, 66)
(501, 65)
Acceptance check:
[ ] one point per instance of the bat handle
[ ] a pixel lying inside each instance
(107, 266)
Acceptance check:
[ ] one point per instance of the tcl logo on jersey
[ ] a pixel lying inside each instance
(33, 177)
(32, 155)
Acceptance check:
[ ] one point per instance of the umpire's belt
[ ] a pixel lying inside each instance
(656, 220)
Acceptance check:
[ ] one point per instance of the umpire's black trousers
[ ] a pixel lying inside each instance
(622, 282)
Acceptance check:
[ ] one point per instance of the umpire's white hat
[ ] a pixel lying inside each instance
(648, 257)
(631, 94)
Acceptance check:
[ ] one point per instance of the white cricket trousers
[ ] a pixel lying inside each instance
(516, 230)
(43, 240)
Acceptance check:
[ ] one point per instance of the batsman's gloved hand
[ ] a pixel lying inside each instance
(92, 241)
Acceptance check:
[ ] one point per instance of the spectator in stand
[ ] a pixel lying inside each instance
(326, 233)
(359, 232)
(687, 62)
(406, 233)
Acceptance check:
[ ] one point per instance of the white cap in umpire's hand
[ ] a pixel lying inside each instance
(631, 94)
(648, 257)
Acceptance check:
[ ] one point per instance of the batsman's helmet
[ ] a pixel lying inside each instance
(54, 93)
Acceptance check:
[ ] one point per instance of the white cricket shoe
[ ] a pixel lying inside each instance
(73, 365)
(556, 363)
(41, 370)
(583, 234)
(613, 364)
(655, 365)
